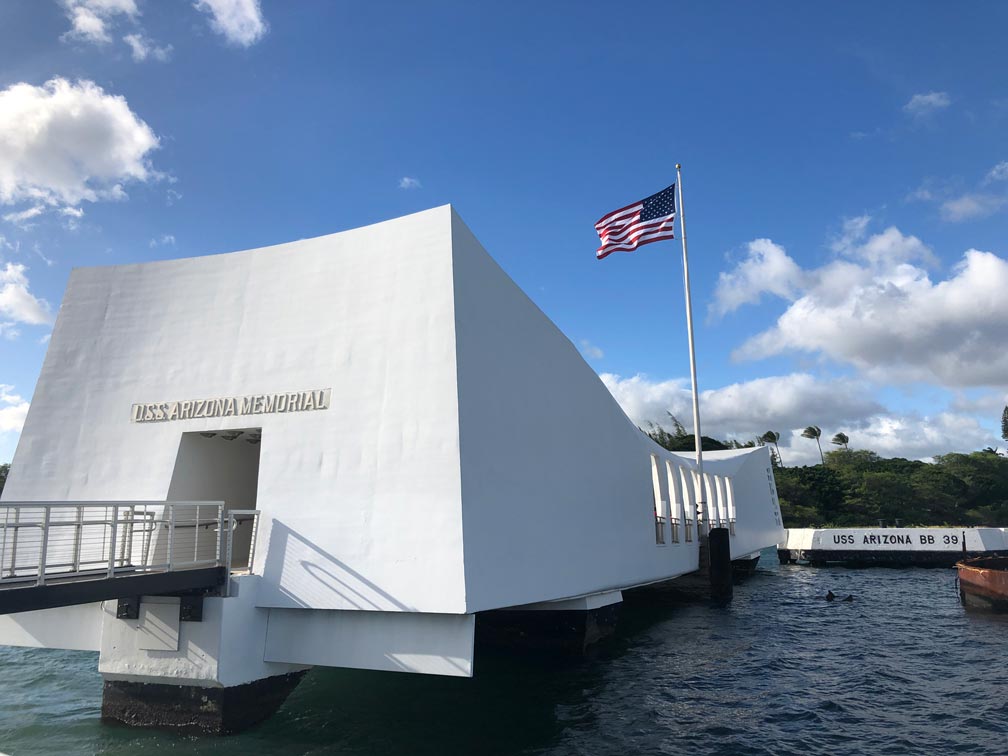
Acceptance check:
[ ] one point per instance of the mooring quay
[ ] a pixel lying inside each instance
(354, 451)
(933, 547)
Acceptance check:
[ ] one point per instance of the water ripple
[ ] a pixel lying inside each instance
(780, 672)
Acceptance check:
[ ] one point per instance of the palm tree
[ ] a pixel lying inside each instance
(841, 439)
(772, 437)
(814, 431)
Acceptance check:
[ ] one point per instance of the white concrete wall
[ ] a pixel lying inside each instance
(557, 485)
(226, 648)
(430, 644)
(361, 501)
(756, 508)
(455, 404)
(77, 628)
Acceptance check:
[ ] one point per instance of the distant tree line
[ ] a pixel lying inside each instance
(860, 488)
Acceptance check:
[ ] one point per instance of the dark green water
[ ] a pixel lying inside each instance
(901, 670)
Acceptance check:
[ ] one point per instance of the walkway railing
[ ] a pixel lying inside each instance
(42, 542)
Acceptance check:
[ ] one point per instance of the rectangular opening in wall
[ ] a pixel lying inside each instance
(675, 500)
(730, 498)
(221, 465)
(658, 502)
(689, 503)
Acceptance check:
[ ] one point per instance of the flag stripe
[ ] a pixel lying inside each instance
(649, 220)
(631, 248)
(661, 237)
(638, 236)
(631, 244)
(608, 216)
(619, 235)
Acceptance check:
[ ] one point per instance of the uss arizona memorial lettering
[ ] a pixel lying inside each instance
(256, 404)
(882, 539)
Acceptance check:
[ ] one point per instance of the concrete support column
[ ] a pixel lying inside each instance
(567, 627)
(196, 709)
(171, 669)
(719, 564)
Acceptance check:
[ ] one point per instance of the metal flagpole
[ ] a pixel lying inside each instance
(702, 500)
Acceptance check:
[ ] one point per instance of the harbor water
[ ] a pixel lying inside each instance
(902, 669)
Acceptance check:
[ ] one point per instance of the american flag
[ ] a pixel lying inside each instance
(650, 220)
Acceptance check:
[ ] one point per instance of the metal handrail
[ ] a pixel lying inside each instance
(105, 537)
(236, 517)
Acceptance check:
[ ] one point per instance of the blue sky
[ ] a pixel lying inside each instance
(845, 175)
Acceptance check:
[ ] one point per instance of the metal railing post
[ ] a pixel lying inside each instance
(78, 531)
(220, 535)
(13, 558)
(171, 536)
(195, 556)
(226, 547)
(43, 547)
(3, 544)
(128, 536)
(229, 554)
(252, 543)
(112, 541)
(147, 535)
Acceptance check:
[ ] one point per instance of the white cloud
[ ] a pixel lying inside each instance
(881, 312)
(13, 410)
(240, 22)
(72, 212)
(970, 206)
(859, 135)
(924, 105)
(746, 410)
(922, 193)
(90, 19)
(9, 331)
(852, 231)
(67, 142)
(408, 182)
(787, 404)
(998, 173)
(19, 218)
(989, 404)
(591, 351)
(163, 241)
(41, 255)
(912, 435)
(765, 269)
(143, 48)
(17, 302)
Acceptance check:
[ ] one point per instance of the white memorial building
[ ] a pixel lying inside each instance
(396, 440)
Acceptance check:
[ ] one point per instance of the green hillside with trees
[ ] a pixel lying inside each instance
(857, 487)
